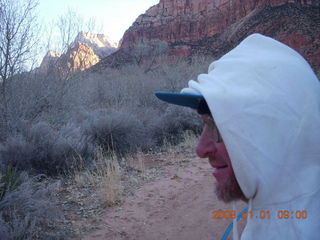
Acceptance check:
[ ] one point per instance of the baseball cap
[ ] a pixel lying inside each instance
(194, 101)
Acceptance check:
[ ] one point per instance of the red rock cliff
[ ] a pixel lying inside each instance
(215, 26)
(191, 20)
(79, 57)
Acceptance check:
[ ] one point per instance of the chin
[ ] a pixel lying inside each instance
(229, 190)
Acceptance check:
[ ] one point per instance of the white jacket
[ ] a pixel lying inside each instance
(265, 100)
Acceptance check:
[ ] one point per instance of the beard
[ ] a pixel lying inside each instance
(229, 190)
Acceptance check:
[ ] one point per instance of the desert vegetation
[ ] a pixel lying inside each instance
(85, 128)
(78, 132)
(54, 122)
(72, 141)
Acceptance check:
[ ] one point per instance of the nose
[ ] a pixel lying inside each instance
(206, 144)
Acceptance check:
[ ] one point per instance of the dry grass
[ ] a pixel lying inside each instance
(91, 191)
(136, 162)
(188, 143)
(111, 188)
(105, 178)
(167, 146)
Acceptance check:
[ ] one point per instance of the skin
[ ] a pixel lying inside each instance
(227, 187)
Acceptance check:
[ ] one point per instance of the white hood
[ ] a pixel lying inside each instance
(265, 100)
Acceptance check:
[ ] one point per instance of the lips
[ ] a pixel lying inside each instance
(219, 166)
(220, 171)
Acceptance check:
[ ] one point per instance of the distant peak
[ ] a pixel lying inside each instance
(52, 53)
(99, 40)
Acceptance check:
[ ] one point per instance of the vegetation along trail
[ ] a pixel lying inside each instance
(177, 205)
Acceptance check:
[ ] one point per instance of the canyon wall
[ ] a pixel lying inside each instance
(213, 27)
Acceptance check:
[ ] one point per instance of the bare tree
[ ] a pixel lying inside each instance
(69, 25)
(62, 36)
(17, 39)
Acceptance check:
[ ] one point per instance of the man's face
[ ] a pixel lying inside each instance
(227, 187)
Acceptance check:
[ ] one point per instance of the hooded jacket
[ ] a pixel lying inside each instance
(265, 100)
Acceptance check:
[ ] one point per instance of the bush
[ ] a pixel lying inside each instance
(173, 123)
(115, 131)
(82, 145)
(141, 120)
(39, 148)
(28, 211)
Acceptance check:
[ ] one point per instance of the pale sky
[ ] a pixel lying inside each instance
(116, 16)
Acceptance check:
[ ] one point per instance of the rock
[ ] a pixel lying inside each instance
(213, 27)
(79, 57)
(85, 51)
(99, 43)
(189, 21)
(49, 61)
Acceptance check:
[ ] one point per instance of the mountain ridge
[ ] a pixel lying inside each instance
(214, 27)
(86, 50)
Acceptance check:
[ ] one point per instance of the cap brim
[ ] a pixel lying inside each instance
(181, 99)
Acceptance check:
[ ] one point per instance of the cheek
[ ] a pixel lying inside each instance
(224, 153)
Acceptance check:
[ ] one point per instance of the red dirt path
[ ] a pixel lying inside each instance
(176, 206)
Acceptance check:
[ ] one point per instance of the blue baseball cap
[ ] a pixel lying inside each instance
(195, 101)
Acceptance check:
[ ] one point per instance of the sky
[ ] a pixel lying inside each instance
(115, 16)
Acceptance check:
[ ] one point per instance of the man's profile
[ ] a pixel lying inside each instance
(260, 105)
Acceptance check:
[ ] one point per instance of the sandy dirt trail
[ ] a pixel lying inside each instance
(175, 206)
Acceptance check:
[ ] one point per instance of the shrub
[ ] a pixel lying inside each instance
(39, 148)
(28, 211)
(173, 123)
(115, 131)
(129, 89)
(82, 145)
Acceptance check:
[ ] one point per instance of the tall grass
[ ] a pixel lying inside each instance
(105, 177)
